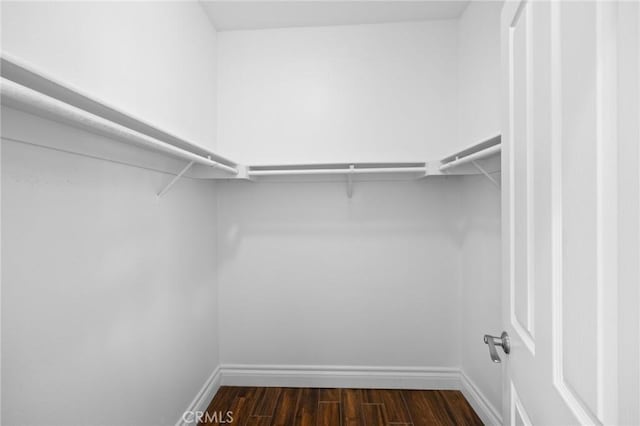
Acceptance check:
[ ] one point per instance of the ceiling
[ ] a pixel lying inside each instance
(248, 15)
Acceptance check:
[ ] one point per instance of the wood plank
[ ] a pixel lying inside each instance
(419, 409)
(266, 402)
(460, 409)
(328, 413)
(262, 406)
(286, 408)
(243, 405)
(394, 405)
(224, 396)
(372, 414)
(307, 411)
(221, 402)
(438, 407)
(329, 395)
(351, 410)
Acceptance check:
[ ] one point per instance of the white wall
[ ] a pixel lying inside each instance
(108, 293)
(480, 284)
(155, 60)
(480, 263)
(310, 277)
(479, 72)
(379, 92)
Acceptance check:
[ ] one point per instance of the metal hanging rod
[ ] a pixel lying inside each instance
(19, 71)
(343, 171)
(488, 152)
(16, 95)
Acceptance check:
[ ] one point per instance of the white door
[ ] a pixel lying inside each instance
(570, 212)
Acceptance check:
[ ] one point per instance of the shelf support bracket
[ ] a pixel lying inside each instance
(484, 172)
(175, 179)
(350, 181)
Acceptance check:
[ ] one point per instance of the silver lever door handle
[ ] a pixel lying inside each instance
(493, 341)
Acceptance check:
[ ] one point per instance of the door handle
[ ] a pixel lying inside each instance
(493, 341)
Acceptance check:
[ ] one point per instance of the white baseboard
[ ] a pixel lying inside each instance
(443, 378)
(485, 410)
(341, 376)
(203, 398)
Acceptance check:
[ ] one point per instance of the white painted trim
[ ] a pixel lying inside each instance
(485, 410)
(204, 396)
(341, 376)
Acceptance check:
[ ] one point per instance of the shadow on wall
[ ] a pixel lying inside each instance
(316, 212)
(480, 206)
(311, 277)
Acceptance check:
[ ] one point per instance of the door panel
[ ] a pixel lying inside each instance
(561, 218)
(578, 204)
(584, 150)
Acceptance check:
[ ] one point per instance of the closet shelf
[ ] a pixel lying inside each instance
(482, 158)
(416, 169)
(338, 171)
(476, 152)
(22, 97)
(25, 89)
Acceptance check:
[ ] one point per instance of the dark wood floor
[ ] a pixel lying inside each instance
(340, 407)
